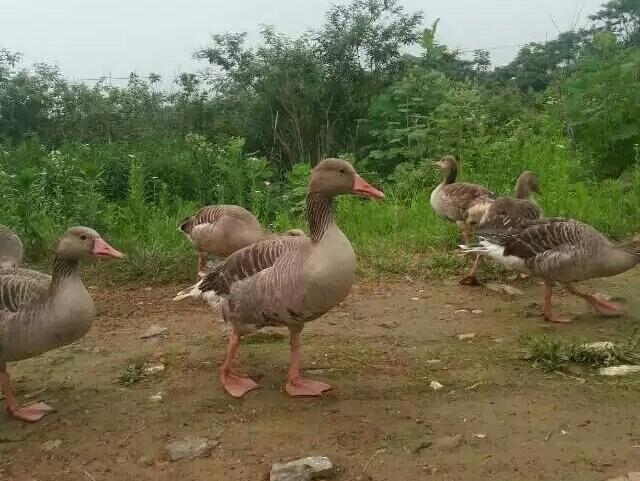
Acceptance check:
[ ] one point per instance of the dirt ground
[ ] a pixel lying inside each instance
(380, 350)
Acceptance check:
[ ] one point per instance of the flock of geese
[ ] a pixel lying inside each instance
(265, 279)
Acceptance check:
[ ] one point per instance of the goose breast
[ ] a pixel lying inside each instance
(31, 322)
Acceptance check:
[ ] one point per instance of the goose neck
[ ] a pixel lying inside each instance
(451, 174)
(319, 214)
(63, 270)
(522, 189)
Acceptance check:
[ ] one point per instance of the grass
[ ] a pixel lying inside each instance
(136, 194)
(133, 374)
(555, 353)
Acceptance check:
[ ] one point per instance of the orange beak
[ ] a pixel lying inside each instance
(362, 187)
(102, 249)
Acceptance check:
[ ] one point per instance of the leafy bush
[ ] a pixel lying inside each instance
(133, 160)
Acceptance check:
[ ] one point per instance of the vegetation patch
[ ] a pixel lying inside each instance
(555, 353)
(133, 374)
(371, 85)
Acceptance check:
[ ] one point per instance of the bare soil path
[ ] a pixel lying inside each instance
(380, 350)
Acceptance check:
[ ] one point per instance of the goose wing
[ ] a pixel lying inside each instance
(249, 261)
(507, 213)
(212, 214)
(548, 245)
(21, 286)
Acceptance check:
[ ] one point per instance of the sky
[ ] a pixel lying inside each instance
(89, 39)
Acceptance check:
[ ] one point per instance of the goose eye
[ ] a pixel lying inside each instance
(341, 170)
(83, 237)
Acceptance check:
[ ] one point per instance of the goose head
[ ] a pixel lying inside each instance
(446, 163)
(332, 177)
(449, 166)
(82, 242)
(526, 184)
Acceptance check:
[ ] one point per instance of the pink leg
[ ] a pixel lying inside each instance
(603, 307)
(549, 315)
(297, 385)
(202, 262)
(29, 412)
(471, 279)
(235, 385)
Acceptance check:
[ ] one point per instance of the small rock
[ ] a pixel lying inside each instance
(319, 371)
(154, 369)
(431, 470)
(477, 311)
(388, 325)
(51, 445)
(153, 331)
(415, 298)
(190, 448)
(504, 288)
(599, 346)
(156, 397)
(435, 385)
(305, 469)
(448, 443)
(464, 337)
(461, 311)
(602, 297)
(627, 477)
(433, 361)
(621, 370)
(480, 436)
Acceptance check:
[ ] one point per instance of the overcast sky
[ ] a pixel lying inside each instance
(86, 38)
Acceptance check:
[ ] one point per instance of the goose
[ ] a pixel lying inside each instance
(221, 230)
(287, 280)
(39, 312)
(455, 200)
(560, 250)
(10, 248)
(509, 212)
(526, 185)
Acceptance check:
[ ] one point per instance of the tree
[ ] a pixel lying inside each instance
(481, 61)
(537, 64)
(601, 101)
(299, 99)
(621, 17)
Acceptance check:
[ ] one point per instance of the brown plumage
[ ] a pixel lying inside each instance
(452, 200)
(510, 212)
(39, 312)
(221, 230)
(526, 185)
(456, 200)
(560, 250)
(10, 248)
(288, 280)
